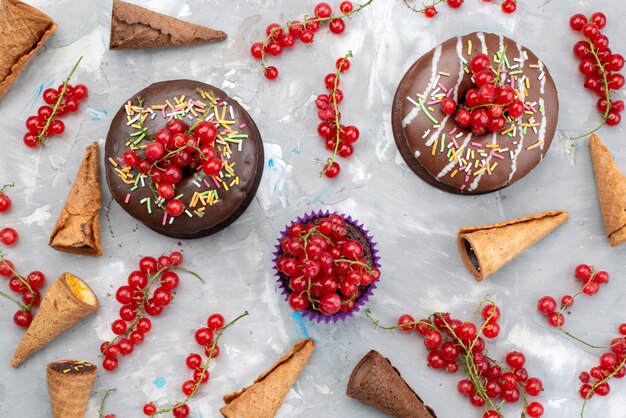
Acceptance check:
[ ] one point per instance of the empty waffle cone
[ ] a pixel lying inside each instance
(69, 384)
(264, 398)
(77, 229)
(68, 300)
(611, 184)
(485, 249)
(23, 30)
(133, 27)
(375, 382)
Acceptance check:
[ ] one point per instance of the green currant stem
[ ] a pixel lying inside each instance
(55, 108)
(306, 20)
(352, 263)
(104, 399)
(17, 302)
(24, 282)
(7, 186)
(581, 341)
(607, 93)
(424, 7)
(605, 380)
(141, 309)
(330, 161)
(496, 80)
(204, 368)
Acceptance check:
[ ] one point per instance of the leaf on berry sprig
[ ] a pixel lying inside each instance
(280, 37)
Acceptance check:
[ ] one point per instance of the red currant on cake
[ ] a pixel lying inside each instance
(327, 266)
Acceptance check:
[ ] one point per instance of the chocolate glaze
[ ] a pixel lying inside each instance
(409, 132)
(72, 367)
(232, 203)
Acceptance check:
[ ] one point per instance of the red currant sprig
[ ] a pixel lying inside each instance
(612, 364)
(138, 305)
(429, 11)
(592, 280)
(453, 344)
(204, 337)
(5, 200)
(600, 67)
(338, 138)
(283, 37)
(63, 100)
(28, 289)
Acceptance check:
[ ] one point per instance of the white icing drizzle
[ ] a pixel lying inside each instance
(452, 163)
(483, 43)
(544, 122)
(415, 111)
(520, 144)
(442, 125)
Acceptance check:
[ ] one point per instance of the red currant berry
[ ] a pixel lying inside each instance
(189, 387)
(212, 351)
(430, 12)
(271, 73)
(479, 63)
(323, 10)
(23, 318)
(337, 26)
(149, 409)
(465, 387)
(204, 336)
(448, 106)
(119, 326)
(590, 30)
(57, 127)
(599, 19)
(515, 359)
(455, 4)
(175, 207)
(8, 236)
(50, 96)
(256, 50)
(343, 65)
(346, 7)
(181, 411)
(332, 170)
(274, 30)
(534, 409)
(533, 386)
(80, 91)
(109, 364)
(577, 21)
(215, 322)
(556, 319)
(306, 37)
(546, 305)
(509, 6)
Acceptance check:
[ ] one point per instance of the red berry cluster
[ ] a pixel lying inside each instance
(489, 105)
(281, 37)
(338, 138)
(430, 11)
(611, 364)
(27, 290)
(60, 101)
(592, 280)
(600, 66)
(195, 362)
(138, 303)
(452, 343)
(325, 271)
(176, 148)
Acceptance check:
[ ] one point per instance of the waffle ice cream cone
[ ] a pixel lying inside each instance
(69, 384)
(133, 27)
(68, 300)
(77, 229)
(23, 30)
(611, 184)
(264, 398)
(375, 382)
(485, 249)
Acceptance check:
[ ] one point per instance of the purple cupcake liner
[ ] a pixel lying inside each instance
(309, 313)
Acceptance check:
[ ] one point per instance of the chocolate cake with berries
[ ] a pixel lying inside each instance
(475, 114)
(183, 158)
(327, 266)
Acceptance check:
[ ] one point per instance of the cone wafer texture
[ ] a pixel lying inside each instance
(611, 185)
(134, 27)
(69, 385)
(486, 249)
(23, 30)
(264, 398)
(375, 382)
(60, 309)
(77, 229)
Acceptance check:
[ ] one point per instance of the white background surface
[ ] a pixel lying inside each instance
(414, 224)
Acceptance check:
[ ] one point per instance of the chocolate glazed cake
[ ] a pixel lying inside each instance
(211, 202)
(452, 158)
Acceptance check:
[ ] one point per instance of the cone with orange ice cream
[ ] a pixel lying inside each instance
(68, 300)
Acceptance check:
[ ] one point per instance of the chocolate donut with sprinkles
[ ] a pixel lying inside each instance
(183, 158)
(475, 114)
